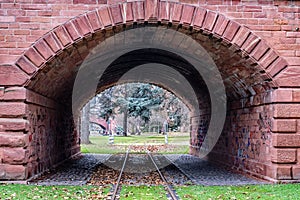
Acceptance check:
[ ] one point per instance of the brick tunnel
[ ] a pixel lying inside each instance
(38, 118)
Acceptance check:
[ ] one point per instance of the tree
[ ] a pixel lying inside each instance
(85, 125)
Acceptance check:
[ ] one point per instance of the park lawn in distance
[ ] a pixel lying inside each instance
(143, 192)
(268, 192)
(20, 192)
(178, 144)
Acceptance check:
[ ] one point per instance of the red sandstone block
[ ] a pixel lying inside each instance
(210, 20)
(14, 93)
(268, 58)
(13, 139)
(260, 50)
(284, 126)
(14, 156)
(26, 65)
(220, 25)
(72, 30)
(9, 124)
(105, 17)
(176, 12)
(53, 43)
(296, 172)
(94, 20)
(286, 140)
(63, 36)
(164, 11)
(14, 172)
(282, 95)
(82, 25)
(151, 10)
(9, 109)
(284, 172)
(199, 18)
(43, 48)
(138, 11)
(127, 12)
(12, 76)
(296, 96)
(34, 57)
(231, 30)
(287, 110)
(278, 65)
(293, 60)
(187, 14)
(250, 43)
(284, 155)
(116, 14)
(241, 36)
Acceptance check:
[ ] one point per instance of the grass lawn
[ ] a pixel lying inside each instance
(21, 192)
(269, 192)
(143, 192)
(178, 143)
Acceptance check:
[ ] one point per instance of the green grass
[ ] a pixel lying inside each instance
(264, 192)
(268, 192)
(143, 192)
(178, 143)
(20, 192)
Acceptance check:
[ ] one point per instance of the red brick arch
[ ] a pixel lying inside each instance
(192, 17)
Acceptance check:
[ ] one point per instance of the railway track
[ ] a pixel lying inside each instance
(117, 186)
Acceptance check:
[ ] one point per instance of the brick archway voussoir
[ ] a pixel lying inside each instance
(191, 17)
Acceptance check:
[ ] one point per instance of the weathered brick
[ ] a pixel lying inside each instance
(210, 20)
(12, 76)
(289, 77)
(287, 111)
(231, 30)
(63, 36)
(176, 12)
(82, 25)
(286, 140)
(164, 11)
(26, 65)
(8, 109)
(282, 95)
(187, 14)
(260, 50)
(43, 48)
(284, 125)
(52, 42)
(10, 124)
(104, 16)
(14, 155)
(13, 139)
(14, 93)
(138, 11)
(284, 155)
(34, 57)
(199, 18)
(220, 25)
(284, 172)
(72, 30)
(296, 172)
(127, 12)
(278, 65)
(116, 14)
(14, 172)
(241, 36)
(151, 10)
(250, 43)
(94, 20)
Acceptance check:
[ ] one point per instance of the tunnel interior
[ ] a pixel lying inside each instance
(183, 61)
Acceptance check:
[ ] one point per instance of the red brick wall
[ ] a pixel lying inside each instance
(259, 37)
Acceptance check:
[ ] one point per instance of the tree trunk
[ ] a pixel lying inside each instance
(125, 122)
(85, 123)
